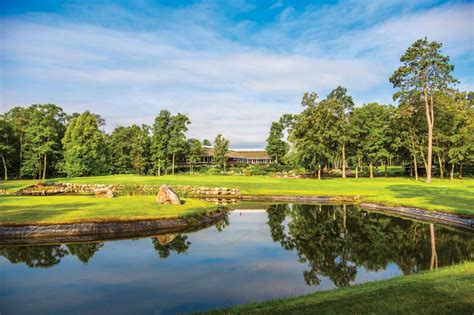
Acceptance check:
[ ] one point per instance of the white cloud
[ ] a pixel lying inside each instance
(235, 87)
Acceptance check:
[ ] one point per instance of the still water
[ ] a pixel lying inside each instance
(268, 252)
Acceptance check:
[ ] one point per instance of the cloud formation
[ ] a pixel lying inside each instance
(229, 71)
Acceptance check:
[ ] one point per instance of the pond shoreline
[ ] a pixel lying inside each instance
(71, 232)
(456, 220)
(81, 231)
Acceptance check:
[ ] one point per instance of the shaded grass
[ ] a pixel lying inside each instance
(456, 196)
(448, 290)
(24, 210)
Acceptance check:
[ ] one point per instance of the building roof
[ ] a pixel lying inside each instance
(239, 153)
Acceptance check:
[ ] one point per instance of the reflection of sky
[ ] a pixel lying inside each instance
(238, 265)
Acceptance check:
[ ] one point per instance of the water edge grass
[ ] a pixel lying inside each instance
(448, 290)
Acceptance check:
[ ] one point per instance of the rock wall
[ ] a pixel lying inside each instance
(70, 188)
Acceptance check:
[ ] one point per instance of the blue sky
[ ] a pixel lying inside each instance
(232, 66)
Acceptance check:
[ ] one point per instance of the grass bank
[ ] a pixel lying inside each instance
(456, 196)
(25, 210)
(448, 290)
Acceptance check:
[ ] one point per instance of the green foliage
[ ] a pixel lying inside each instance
(160, 140)
(276, 146)
(84, 147)
(42, 140)
(129, 149)
(221, 149)
(7, 144)
(194, 153)
(371, 132)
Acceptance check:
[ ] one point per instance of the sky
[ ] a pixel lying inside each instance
(232, 66)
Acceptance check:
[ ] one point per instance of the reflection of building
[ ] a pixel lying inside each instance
(253, 156)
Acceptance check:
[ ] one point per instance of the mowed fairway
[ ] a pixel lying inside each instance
(456, 196)
(23, 210)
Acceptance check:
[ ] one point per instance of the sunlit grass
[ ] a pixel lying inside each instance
(23, 210)
(456, 196)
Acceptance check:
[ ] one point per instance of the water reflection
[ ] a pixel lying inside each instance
(334, 241)
(268, 252)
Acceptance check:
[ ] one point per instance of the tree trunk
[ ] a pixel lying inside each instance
(44, 166)
(441, 172)
(415, 167)
(370, 170)
(460, 170)
(159, 167)
(5, 167)
(319, 171)
(343, 160)
(172, 165)
(385, 166)
(430, 121)
(434, 255)
(452, 172)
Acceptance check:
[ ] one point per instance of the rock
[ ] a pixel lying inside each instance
(167, 196)
(104, 193)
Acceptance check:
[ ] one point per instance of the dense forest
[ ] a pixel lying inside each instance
(330, 136)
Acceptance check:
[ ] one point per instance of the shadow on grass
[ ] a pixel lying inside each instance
(450, 198)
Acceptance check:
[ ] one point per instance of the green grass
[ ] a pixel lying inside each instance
(444, 291)
(15, 185)
(456, 196)
(24, 210)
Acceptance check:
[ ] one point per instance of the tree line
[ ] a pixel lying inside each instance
(42, 141)
(432, 120)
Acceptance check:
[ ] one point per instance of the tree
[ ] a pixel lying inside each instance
(129, 149)
(18, 118)
(370, 124)
(177, 141)
(6, 144)
(194, 153)
(423, 73)
(309, 134)
(140, 148)
(276, 146)
(206, 142)
(160, 140)
(221, 149)
(342, 106)
(42, 139)
(84, 146)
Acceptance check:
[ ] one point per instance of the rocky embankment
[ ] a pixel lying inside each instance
(70, 188)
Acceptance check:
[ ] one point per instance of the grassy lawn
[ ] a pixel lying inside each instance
(456, 196)
(14, 185)
(444, 291)
(23, 210)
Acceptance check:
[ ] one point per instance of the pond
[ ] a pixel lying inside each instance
(254, 254)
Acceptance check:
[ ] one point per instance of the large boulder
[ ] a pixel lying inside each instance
(167, 196)
(105, 192)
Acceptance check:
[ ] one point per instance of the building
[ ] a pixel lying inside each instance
(249, 156)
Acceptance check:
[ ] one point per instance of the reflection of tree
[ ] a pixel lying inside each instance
(334, 240)
(178, 244)
(84, 251)
(34, 256)
(276, 216)
(223, 222)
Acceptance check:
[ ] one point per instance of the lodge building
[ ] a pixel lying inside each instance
(252, 156)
